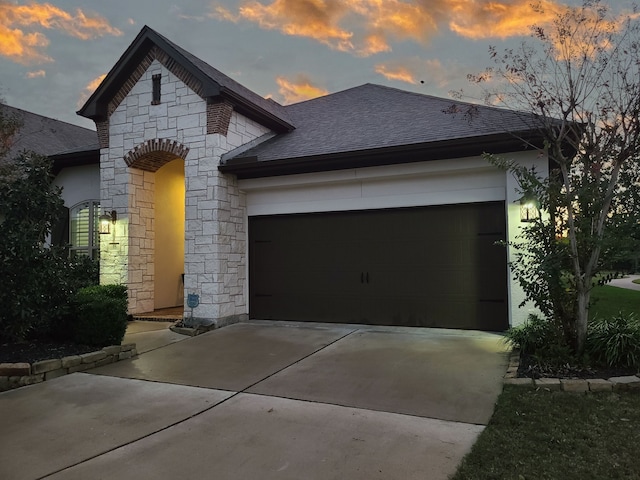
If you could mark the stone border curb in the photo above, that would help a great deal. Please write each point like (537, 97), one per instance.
(15, 375)
(613, 384)
(201, 326)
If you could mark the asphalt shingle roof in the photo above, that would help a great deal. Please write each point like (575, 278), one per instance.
(228, 83)
(48, 136)
(374, 116)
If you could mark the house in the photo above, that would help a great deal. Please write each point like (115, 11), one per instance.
(370, 205)
(76, 166)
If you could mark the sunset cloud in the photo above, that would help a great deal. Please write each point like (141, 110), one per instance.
(36, 74)
(21, 39)
(501, 19)
(299, 89)
(368, 27)
(416, 70)
(316, 19)
(89, 89)
(397, 72)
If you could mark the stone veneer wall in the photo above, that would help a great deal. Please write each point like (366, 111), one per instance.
(215, 230)
(141, 240)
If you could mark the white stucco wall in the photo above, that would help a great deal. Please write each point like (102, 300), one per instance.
(79, 184)
(514, 226)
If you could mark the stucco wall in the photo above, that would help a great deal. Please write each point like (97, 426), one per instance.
(79, 184)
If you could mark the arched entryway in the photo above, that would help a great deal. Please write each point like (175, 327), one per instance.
(156, 225)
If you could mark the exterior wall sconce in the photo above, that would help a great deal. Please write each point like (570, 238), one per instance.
(106, 221)
(529, 211)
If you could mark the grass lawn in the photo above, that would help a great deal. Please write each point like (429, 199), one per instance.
(608, 301)
(637, 280)
(557, 435)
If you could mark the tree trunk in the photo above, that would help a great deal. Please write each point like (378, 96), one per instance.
(582, 317)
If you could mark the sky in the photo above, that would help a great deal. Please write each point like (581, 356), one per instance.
(54, 54)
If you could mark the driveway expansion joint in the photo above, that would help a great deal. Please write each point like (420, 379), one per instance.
(298, 361)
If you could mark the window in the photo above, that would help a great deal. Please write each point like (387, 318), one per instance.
(155, 99)
(84, 238)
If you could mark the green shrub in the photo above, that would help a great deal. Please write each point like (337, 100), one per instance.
(31, 295)
(101, 315)
(615, 341)
(81, 272)
(532, 336)
(542, 340)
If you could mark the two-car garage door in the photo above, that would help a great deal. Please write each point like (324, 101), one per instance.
(432, 266)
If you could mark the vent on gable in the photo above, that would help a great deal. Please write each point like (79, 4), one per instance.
(155, 98)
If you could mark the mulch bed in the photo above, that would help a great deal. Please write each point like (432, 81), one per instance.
(530, 368)
(34, 351)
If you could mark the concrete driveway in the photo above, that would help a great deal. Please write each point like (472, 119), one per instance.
(263, 400)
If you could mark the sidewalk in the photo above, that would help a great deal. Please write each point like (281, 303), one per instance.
(626, 282)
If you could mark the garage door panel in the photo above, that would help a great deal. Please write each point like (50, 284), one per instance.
(432, 266)
(317, 307)
(413, 311)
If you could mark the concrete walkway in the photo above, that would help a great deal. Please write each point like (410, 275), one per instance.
(263, 400)
(151, 335)
(626, 282)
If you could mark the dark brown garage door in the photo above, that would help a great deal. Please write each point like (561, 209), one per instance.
(432, 267)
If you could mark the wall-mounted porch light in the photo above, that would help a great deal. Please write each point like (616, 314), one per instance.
(107, 220)
(529, 209)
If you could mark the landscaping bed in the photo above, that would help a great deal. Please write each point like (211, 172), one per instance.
(529, 367)
(33, 351)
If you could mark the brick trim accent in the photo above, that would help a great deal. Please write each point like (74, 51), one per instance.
(155, 53)
(153, 154)
(219, 117)
(218, 112)
(102, 127)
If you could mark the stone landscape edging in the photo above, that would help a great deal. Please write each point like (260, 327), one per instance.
(14, 375)
(581, 385)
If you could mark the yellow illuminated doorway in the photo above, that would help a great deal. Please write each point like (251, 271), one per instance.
(169, 235)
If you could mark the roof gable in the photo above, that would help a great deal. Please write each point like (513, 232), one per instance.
(206, 81)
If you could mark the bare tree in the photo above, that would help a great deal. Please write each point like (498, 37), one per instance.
(580, 76)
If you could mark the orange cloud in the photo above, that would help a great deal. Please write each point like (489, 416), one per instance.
(89, 89)
(36, 74)
(416, 70)
(371, 22)
(385, 19)
(26, 47)
(316, 19)
(508, 18)
(367, 27)
(22, 47)
(299, 89)
(396, 72)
